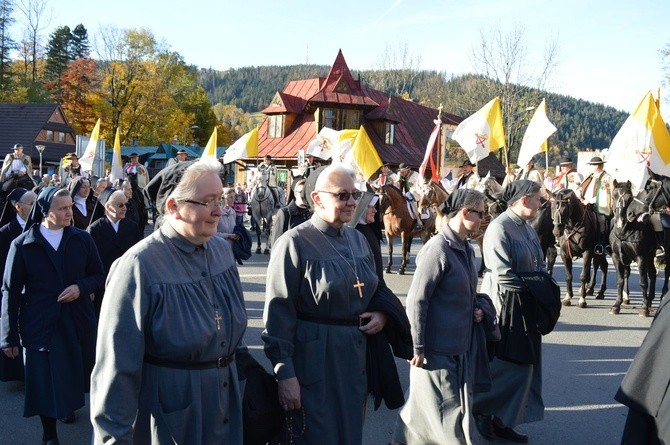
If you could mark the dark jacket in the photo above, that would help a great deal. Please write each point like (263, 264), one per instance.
(45, 273)
(111, 244)
(383, 381)
(287, 218)
(8, 233)
(93, 213)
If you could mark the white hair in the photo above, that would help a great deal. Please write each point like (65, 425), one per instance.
(192, 174)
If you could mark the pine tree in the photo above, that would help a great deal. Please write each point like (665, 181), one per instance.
(58, 58)
(79, 45)
(6, 43)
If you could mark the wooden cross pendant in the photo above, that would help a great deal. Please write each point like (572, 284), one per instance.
(218, 318)
(358, 286)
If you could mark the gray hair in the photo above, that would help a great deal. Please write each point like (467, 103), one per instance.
(192, 174)
(116, 194)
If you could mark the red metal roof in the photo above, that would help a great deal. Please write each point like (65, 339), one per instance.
(414, 121)
(285, 103)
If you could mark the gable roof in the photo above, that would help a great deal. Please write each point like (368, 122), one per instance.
(22, 123)
(340, 87)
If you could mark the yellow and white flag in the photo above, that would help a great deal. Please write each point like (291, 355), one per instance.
(535, 139)
(209, 153)
(116, 172)
(333, 144)
(86, 159)
(365, 154)
(481, 133)
(244, 148)
(643, 141)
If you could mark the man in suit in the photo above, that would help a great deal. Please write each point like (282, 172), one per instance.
(596, 193)
(16, 170)
(112, 234)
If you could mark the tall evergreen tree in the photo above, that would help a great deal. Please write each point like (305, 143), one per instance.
(80, 48)
(58, 58)
(6, 43)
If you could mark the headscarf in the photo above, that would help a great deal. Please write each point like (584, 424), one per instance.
(75, 185)
(310, 185)
(105, 195)
(161, 185)
(454, 202)
(366, 199)
(41, 207)
(297, 181)
(516, 189)
(8, 212)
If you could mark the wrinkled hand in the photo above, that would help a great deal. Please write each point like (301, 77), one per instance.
(289, 394)
(478, 315)
(11, 352)
(376, 323)
(418, 360)
(69, 294)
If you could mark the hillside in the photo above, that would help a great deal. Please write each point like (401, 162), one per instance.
(581, 124)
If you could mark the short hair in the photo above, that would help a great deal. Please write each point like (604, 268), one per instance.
(192, 174)
(330, 171)
(62, 192)
(115, 194)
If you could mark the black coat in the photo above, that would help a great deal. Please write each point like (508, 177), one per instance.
(111, 245)
(644, 389)
(10, 369)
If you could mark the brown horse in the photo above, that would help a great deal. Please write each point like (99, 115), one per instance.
(434, 195)
(398, 221)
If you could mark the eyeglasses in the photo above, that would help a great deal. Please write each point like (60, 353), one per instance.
(480, 213)
(343, 196)
(120, 205)
(215, 204)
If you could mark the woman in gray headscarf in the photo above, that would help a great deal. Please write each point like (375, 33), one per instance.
(442, 311)
(511, 247)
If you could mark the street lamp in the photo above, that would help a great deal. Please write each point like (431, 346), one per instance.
(192, 127)
(40, 148)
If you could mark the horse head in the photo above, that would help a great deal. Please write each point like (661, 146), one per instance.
(655, 195)
(622, 196)
(433, 195)
(494, 204)
(565, 207)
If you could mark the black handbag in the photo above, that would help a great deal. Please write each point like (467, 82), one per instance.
(519, 339)
(547, 299)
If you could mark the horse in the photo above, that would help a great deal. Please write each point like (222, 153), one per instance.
(262, 205)
(490, 188)
(575, 228)
(398, 221)
(433, 197)
(655, 198)
(631, 240)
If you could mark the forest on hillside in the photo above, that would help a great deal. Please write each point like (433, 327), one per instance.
(582, 125)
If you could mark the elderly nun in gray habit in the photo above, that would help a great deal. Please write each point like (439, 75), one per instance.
(441, 306)
(511, 246)
(172, 319)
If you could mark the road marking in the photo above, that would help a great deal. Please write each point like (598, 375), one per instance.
(253, 275)
(584, 407)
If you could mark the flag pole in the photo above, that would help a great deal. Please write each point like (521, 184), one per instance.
(439, 153)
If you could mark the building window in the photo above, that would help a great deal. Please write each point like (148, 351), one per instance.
(389, 133)
(50, 135)
(341, 119)
(61, 137)
(276, 126)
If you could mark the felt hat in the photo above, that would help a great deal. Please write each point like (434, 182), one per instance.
(566, 161)
(403, 166)
(596, 160)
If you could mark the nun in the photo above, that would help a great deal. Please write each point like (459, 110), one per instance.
(13, 220)
(51, 272)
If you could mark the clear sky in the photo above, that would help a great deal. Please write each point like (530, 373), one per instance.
(608, 49)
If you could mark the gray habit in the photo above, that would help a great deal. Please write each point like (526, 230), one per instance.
(307, 275)
(511, 246)
(173, 300)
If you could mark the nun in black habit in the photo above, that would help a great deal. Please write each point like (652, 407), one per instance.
(52, 270)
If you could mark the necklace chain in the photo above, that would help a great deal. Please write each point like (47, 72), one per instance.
(351, 265)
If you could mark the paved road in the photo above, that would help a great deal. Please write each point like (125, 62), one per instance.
(585, 359)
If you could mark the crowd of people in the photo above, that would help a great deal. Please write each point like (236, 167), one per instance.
(153, 326)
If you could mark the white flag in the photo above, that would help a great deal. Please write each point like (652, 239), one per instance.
(538, 131)
(244, 148)
(86, 160)
(481, 133)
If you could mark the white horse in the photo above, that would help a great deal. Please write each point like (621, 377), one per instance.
(262, 204)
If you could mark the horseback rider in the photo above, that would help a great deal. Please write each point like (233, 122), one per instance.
(468, 178)
(532, 173)
(16, 170)
(596, 193)
(182, 155)
(409, 182)
(310, 165)
(269, 173)
(569, 178)
(386, 176)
